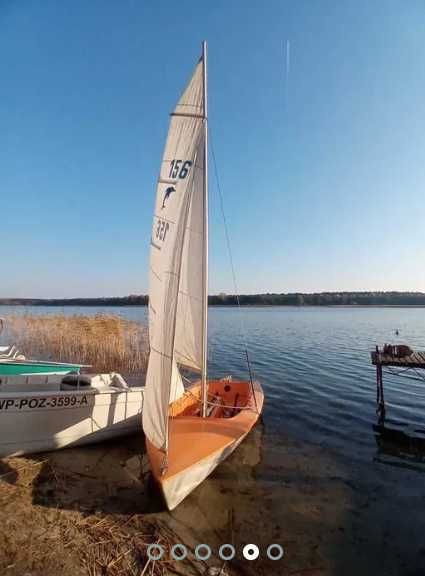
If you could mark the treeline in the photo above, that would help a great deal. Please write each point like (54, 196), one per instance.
(325, 299)
(133, 300)
(269, 299)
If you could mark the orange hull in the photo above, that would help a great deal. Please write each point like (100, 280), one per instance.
(197, 445)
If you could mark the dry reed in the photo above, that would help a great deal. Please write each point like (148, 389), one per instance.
(118, 547)
(105, 342)
(53, 538)
(67, 541)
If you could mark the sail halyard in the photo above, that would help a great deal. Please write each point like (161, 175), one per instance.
(204, 377)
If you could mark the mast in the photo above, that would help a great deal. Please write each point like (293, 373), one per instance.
(204, 381)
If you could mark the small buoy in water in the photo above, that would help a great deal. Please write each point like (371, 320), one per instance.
(397, 332)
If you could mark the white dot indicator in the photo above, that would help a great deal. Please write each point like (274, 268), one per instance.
(250, 552)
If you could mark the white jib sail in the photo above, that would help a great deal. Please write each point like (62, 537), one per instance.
(175, 283)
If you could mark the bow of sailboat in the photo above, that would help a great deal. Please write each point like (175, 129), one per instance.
(198, 445)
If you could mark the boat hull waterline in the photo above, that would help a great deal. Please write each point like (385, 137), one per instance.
(198, 445)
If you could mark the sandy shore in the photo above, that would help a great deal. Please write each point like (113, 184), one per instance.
(92, 511)
(87, 511)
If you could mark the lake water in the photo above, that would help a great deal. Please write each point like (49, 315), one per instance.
(314, 476)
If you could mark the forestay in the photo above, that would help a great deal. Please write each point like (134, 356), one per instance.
(176, 259)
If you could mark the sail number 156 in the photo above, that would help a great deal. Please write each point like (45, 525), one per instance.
(180, 168)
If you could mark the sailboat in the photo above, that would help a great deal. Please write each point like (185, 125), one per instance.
(188, 431)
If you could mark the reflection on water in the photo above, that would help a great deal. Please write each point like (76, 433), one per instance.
(341, 496)
(400, 444)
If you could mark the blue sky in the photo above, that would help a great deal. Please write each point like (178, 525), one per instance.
(322, 166)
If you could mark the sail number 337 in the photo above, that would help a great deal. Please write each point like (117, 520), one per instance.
(161, 230)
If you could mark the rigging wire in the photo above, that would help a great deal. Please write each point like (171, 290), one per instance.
(235, 285)
(418, 378)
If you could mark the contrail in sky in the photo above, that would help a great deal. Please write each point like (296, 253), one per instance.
(287, 70)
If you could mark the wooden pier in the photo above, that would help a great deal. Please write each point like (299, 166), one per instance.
(397, 357)
(415, 360)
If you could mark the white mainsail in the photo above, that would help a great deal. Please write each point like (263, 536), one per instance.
(188, 337)
(176, 294)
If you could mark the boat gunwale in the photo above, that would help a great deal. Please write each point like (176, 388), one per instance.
(49, 393)
(27, 361)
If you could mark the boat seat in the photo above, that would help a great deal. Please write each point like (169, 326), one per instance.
(72, 381)
(98, 381)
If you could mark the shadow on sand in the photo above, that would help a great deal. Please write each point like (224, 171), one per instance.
(108, 478)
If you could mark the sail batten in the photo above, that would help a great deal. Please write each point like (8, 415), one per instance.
(175, 283)
(187, 115)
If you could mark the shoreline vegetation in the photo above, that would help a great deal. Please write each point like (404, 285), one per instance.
(268, 299)
(104, 342)
(94, 502)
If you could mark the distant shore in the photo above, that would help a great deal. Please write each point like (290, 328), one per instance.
(347, 299)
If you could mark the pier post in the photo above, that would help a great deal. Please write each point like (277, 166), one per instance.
(378, 392)
(381, 406)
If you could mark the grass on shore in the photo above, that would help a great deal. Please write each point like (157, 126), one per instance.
(106, 342)
(49, 540)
